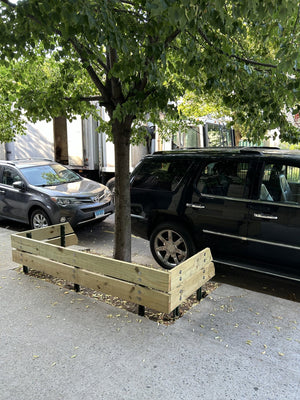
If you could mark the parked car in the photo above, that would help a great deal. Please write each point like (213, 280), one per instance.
(243, 203)
(43, 192)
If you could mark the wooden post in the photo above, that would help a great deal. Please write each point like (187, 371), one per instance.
(25, 269)
(63, 244)
(141, 311)
(62, 236)
(176, 312)
(76, 287)
(199, 294)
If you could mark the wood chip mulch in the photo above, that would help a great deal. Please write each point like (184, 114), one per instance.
(161, 318)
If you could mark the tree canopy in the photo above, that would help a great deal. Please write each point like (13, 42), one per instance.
(246, 55)
(140, 57)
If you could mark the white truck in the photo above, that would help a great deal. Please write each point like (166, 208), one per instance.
(79, 145)
(76, 144)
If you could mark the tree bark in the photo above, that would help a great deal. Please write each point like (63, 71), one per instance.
(122, 243)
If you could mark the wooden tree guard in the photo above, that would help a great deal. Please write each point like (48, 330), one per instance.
(46, 250)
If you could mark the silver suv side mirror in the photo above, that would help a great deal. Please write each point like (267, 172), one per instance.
(20, 185)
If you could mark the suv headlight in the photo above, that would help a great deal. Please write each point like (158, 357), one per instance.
(65, 201)
(107, 192)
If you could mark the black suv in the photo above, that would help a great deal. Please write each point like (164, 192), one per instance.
(43, 192)
(243, 203)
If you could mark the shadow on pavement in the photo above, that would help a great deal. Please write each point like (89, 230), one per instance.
(258, 282)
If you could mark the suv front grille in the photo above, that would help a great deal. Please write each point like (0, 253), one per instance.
(91, 209)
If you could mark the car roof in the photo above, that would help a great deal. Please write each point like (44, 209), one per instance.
(233, 151)
(28, 162)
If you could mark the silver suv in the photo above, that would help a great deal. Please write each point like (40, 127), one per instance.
(43, 192)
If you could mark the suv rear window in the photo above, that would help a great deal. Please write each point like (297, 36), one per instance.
(281, 183)
(224, 178)
(160, 175)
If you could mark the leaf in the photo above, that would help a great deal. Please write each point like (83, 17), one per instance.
(278, 328)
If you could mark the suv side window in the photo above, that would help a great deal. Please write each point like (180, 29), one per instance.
(160, 175)
(9, 176)
(224, 178)
(280, 183)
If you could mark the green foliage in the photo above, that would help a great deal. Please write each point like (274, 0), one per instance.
(239, 58)
(288, 146)
(192, 107)
(11, 122)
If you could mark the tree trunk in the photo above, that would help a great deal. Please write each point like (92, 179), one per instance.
(122, 244)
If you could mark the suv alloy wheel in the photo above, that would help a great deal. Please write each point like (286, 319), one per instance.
(39, 219)
(171, 244)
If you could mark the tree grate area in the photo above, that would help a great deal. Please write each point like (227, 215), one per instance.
(158, 317)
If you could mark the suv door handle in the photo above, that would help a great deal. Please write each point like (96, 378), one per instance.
(2, 191)
(191, 205)
(265, 216)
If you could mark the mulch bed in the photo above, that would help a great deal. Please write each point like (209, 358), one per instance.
(161, 318)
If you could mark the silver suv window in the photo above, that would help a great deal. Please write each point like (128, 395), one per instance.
(9, 176)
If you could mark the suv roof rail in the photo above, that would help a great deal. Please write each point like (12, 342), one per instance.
(32, 159)
(257, 149)
(241, 149)
(261, 147)
(15, 160)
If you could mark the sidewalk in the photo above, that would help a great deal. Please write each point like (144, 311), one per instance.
(58, 344)
(5, 250)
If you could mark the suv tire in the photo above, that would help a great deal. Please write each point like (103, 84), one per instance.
(171, 244)
(39, 219)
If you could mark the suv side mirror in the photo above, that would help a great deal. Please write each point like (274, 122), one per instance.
(19, 185)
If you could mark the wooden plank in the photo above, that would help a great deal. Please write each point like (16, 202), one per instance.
(137, 294)
(125, 290)
(189, 268)
(160, 290)
(191, 284)
(44, 265)
(48, 232)
(135, 273)
(69, 240)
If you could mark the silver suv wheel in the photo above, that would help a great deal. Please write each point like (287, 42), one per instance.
(39, 219)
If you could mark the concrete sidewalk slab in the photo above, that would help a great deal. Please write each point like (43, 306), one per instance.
(58, 344)
(5, 250)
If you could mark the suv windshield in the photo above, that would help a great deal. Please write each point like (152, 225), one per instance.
(49, 175)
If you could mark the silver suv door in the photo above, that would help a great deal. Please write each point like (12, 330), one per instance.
(13, 201)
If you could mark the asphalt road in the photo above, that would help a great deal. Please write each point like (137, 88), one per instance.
(99, 237)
